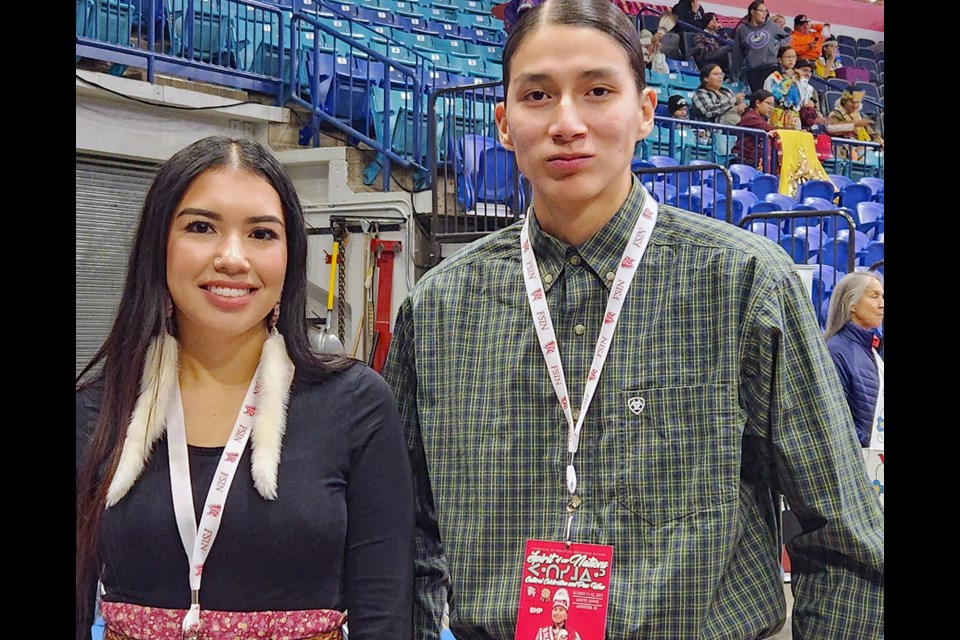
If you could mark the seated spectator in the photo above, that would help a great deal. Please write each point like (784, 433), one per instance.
(760, 106)
(709, 47)
(786, 92)
(690, 12)
(677, 107)
(781, 22)
(846, 121)
(829, 60)
(805, 39)
(715, 103)
(810, 117)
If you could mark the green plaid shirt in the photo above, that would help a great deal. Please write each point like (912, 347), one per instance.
(742, 403)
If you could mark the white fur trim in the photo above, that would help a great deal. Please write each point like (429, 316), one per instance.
(276, 375)
(149, 417)
(149, 421)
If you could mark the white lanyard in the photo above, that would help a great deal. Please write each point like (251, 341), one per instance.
(198, 547)
(876, 433)
(632, 254)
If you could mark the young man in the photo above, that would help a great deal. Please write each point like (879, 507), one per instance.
(610, 372)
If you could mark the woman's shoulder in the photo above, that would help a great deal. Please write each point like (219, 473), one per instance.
(356, 380)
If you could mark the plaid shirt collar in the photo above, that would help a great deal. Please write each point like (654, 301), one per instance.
(602, 252)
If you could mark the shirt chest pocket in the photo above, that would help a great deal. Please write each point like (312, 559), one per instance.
(678, 449)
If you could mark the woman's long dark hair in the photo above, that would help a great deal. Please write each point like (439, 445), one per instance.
(142, 316)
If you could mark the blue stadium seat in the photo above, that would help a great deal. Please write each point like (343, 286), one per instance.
(786, 202)
(848, 41)
(847, 50)
(875, 184)
(764, 183)
(839, 181)
(860, 239)
(763, 206)
(835, 253)
(872, 254)
(870, 90)
(746, 197)
(745, 174)
(870, 215)
(683, 66)
(723, 148)
(796, 247)
(661, 190)
(817, 188)
(769, 230)
(853, 194)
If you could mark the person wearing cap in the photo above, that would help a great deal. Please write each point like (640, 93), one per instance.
(806, 38)
(677, 107)
(811, 119)
(559, 613)
(829, 60)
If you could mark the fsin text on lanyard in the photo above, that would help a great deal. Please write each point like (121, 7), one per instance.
(197, 546)
(543, 324)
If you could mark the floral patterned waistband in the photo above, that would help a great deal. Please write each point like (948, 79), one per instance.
(135, 622)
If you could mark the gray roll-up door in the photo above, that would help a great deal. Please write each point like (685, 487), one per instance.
(110, 195)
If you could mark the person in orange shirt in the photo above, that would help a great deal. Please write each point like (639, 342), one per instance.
(807, 40)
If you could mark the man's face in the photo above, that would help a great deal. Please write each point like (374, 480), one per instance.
(573, 115)
(805, 72)
(803, 27)
(713, 25)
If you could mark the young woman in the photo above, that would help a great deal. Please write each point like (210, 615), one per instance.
(785, 86)
(561, 425)
(206, 404)
(854, 315)
(755, 117)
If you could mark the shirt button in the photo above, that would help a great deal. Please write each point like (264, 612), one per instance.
(548, 278)
(574, 260)
(610, 275)
(579, 329)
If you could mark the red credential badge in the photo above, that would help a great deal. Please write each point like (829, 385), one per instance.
(564, 592)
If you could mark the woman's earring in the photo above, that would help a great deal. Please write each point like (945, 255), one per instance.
(275, 316)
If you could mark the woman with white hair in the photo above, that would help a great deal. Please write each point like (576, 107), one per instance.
(856, 310)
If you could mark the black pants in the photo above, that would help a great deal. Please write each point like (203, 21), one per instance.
(756, 77)
(720, 56)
